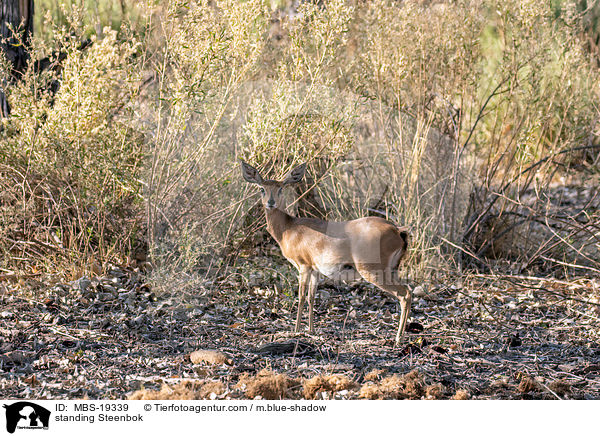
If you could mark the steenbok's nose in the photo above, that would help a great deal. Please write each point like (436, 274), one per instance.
(271, 203)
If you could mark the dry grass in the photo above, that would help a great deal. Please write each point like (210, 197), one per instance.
(408, 386)
(375, 375)
(195, 390)
(560, 387)
(528, 384)
(268, 385)
(273, 386)
(326, 383)
(434, 392)
(461, 394)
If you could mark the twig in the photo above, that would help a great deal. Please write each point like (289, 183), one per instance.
(464, 250)
(549, 390)
(63, 333)
(17, 277)
(499, 194)
(530, 278)
(572, 265)
(558, 294)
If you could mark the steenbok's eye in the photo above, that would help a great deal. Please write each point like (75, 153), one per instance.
(280, 189)
(262, 190)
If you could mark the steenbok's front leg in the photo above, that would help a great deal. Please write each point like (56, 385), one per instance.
(312, 290)
(302, 285)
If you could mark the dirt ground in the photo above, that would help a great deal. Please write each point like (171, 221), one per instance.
(488, 337)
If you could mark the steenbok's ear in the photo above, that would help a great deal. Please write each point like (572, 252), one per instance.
(251, 174)
(295, 175)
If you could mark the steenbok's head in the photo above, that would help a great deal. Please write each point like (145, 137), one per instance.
(271, 189)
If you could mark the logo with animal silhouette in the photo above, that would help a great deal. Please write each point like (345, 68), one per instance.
(26, 415)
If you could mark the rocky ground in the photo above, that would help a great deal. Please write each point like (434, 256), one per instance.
(116, 337)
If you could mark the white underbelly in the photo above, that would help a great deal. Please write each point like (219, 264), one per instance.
(343, 272)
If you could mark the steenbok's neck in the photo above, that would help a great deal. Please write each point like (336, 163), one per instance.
(277, 222)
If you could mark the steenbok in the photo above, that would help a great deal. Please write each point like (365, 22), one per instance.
(370, 246)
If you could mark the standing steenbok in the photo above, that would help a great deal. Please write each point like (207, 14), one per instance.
(371, 246)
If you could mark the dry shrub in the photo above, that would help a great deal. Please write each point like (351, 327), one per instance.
(434, 392)
(461, 394)
(326, 383)
(267, 385)
(69, 161)
(188, 390)
(432, 132)
(499, 384)
(209, 388)
(212, 52)
(560, 387)
(528, 384)
(412, 61)
(408, 386)
(414, 141)
(375, 374)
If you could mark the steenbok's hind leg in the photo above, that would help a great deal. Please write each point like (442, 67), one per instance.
(405, 302)
(387, 281)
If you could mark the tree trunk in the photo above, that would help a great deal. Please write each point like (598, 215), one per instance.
(16, 28)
